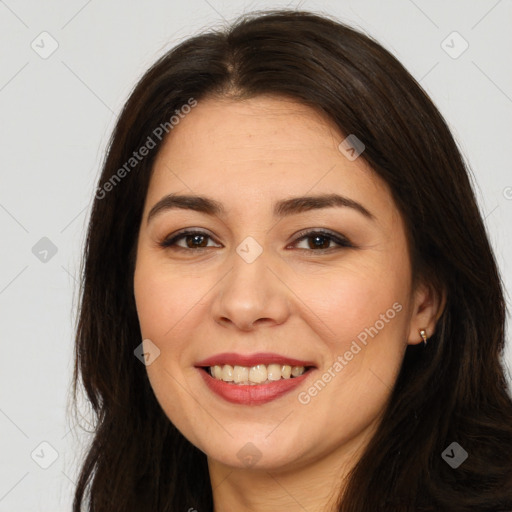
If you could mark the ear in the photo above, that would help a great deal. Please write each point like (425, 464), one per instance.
(428, 305)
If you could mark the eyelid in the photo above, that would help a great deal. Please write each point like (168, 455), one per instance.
(170, 240)
(340, 240)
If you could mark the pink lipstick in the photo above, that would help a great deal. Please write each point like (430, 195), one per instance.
(284, 375)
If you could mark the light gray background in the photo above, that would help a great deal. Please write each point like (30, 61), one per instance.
(56, 116)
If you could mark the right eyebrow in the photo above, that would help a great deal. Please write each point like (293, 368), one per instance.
(187, 202)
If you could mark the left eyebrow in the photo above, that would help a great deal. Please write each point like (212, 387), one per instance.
(306, 203)
(282, 208)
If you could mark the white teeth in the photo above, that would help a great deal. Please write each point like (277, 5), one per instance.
(227, 373)
(258, 374)
(297, 370)
(286, 371)
(274, 372)
(240, 374)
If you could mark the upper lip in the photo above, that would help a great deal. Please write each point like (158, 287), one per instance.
(266, 358)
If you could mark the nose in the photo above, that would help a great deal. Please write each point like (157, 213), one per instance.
(252, 294)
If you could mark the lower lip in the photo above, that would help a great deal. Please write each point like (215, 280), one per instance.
(252, 394)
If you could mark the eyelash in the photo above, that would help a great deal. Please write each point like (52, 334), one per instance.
(338, 239)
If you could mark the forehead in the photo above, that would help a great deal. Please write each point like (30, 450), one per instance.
(248, 152)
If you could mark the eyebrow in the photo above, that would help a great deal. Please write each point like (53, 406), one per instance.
(282, 208)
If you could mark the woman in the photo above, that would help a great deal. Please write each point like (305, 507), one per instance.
(289, 299)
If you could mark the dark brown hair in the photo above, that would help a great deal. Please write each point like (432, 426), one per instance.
(452, 390)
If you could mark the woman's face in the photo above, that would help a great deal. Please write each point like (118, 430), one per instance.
(251, 293)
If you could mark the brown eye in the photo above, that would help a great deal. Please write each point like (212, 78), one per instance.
(321, 241)
(192, 240)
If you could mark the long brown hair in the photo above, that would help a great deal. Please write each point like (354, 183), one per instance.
(451, 390)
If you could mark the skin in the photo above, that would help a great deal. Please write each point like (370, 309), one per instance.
(294, 299)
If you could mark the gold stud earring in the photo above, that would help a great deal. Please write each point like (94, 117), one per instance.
(423, 334)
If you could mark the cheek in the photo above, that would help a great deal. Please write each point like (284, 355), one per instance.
(351, 300)
(365, 312)
(163, 297)
(165, 307)
(360, 313)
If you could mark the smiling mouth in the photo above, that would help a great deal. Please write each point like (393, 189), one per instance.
(259, 374)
